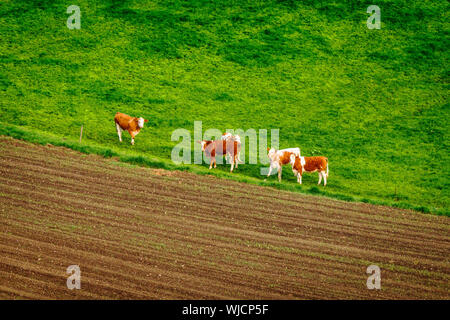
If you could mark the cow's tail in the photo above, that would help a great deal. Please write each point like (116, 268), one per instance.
(327, 166)
(239, 157)
(238, 145)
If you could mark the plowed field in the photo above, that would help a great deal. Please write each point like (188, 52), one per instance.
(140, 233)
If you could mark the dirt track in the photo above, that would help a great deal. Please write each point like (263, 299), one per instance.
(140, 233)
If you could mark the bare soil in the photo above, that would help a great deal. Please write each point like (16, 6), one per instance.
(140, 233)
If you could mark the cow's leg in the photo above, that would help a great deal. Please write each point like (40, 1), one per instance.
(279, 173)
(211, 163)
(232, 163)
(300, 178)
(119, 131)
(270, 170)
(324, 178)
(132, 137)
(236, 160)
(320, 177)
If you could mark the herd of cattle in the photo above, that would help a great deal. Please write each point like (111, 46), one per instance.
(230, 146)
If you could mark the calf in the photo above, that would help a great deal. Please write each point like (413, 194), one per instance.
(231, 148)
(278, 158)
(309, 164)
(132, 124)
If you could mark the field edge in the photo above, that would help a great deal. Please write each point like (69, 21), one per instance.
(43, 138)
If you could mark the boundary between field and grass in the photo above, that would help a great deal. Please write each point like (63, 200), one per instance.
(132, 157)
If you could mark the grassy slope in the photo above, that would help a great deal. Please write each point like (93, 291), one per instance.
(373, 101)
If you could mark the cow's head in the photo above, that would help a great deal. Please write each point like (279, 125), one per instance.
(141, 122)
(271, 154)
(292, 158)
(203, 143)
(271, 151)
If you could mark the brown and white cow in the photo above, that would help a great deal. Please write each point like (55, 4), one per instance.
(229, 147)
(310, 164)
(278, 158)
(132, 124)
(229, 136)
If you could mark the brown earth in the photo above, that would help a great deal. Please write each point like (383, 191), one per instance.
(140, 233)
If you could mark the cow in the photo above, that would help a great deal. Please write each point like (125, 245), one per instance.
(229, 136)
(309, 164)
(132, 124)
(229, 147)
(278, 158)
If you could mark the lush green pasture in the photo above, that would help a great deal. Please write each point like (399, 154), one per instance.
(375, 102)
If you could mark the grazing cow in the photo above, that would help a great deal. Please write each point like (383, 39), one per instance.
(309, 164)
(132, 124)
(230, 147)
(278, 158)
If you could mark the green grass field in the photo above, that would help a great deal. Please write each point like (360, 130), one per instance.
(375, 102)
